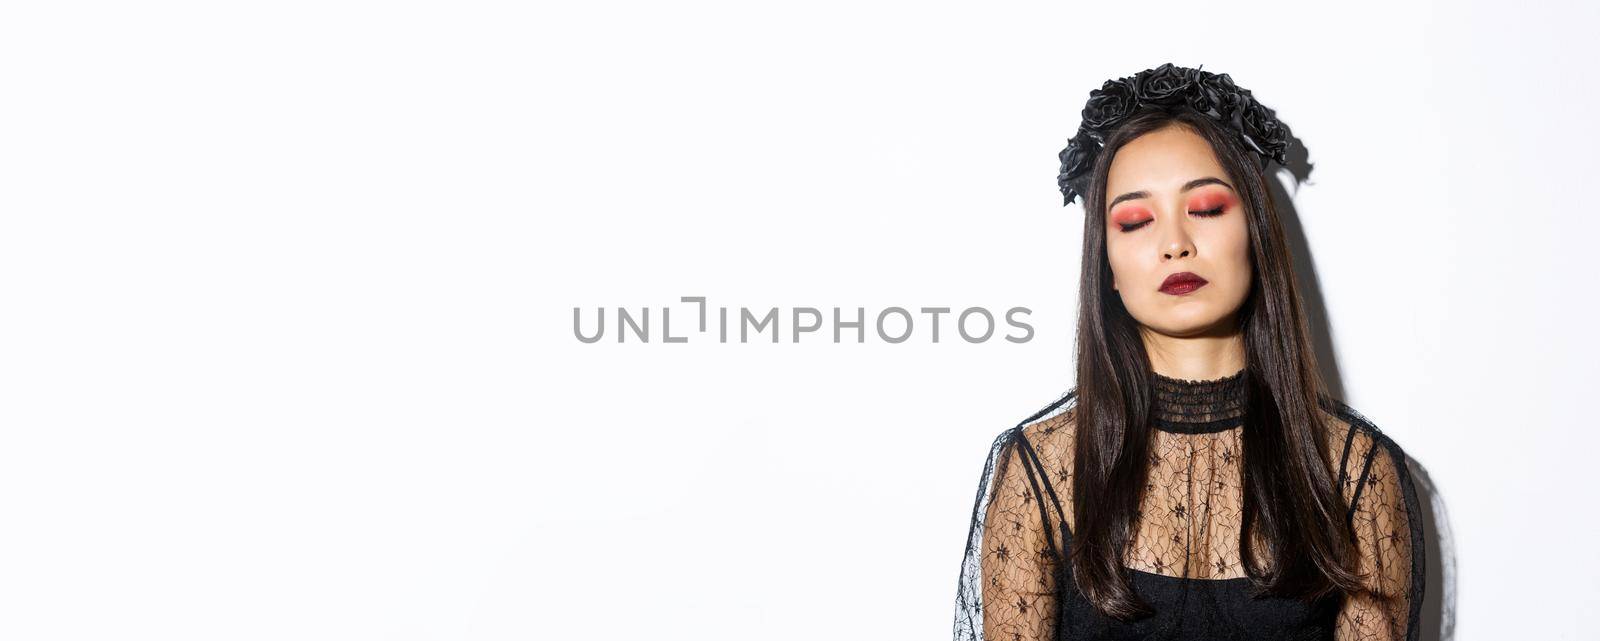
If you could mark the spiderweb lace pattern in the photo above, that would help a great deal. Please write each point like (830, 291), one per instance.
(1010, 585)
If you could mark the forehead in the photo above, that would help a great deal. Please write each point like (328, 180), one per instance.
(1161, 160)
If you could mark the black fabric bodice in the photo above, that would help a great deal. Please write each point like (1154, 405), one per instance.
(1199, 609)
(1184, 561)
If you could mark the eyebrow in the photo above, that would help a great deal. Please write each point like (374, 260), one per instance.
(1208, 180)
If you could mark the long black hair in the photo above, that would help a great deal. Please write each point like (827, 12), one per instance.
(1291, 505)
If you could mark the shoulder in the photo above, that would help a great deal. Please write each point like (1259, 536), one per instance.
(1359, 452)
(1051, 420)
(1048, 432)
(1045, 434)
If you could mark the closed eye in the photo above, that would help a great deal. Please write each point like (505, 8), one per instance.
(1214, 211)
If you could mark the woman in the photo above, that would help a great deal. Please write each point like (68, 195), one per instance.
(1198, 482)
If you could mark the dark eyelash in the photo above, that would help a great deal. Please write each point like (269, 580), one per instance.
(1215, 211)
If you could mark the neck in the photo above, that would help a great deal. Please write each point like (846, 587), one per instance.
(1214, 352)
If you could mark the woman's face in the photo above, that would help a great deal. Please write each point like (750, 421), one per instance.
(1172, 209)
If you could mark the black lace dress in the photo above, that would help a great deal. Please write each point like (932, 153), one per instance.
(1184, 560)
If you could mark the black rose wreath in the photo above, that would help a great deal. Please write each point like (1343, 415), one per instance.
(1168, 87)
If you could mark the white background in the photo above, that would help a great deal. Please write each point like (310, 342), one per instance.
(288, 289)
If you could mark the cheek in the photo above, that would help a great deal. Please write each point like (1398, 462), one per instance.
(1129, 275)
(1234, 243)
(1119, 256)
(1238, 238)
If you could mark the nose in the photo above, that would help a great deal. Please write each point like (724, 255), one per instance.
(1176, 242)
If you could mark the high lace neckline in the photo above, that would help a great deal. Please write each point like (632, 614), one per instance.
(1189, 406)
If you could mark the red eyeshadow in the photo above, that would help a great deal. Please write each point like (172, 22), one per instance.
(1210, 200)
(1129, 215)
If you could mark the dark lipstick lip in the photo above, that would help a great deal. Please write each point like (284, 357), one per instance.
(1182, 283)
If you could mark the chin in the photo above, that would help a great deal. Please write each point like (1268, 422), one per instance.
(1186, 324)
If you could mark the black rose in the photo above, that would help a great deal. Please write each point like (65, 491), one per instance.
(1165, 85)
(1264, 132)
(1077, 159)
(1216, 95)
(1108, 105)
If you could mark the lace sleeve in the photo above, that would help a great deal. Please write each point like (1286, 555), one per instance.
(1388, 530)
(1007, 586)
